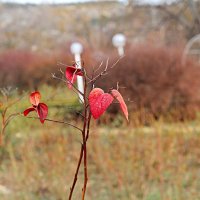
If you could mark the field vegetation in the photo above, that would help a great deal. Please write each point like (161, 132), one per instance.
(126, 161)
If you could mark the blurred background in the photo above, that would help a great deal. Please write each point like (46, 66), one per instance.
(154, 157)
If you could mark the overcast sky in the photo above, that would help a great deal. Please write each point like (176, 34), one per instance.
(76, 1)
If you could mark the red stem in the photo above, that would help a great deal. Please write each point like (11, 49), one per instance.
(76, 174)
(57, 121)
(83, 149)
(84, 140)
(88, 126)
(80, 160)
(85, 171)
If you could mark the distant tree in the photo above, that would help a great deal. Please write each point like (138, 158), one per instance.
(184, 12)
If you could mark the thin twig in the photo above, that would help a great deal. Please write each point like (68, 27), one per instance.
(61, 71)
(88, 126)
(94, 71)
(56, 121)
(10, 117)
(101, 64)
(58, 78)
(60, 63)
(105, 71)
(101, 74)
(61, 79)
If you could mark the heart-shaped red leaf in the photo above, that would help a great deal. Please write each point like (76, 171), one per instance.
(120, 99)
(42, 111)
(99, 102)
(71, 74)
(35, 98)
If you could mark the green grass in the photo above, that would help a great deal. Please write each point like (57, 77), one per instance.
(38, 162)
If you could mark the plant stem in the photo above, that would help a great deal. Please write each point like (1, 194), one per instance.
(84, 140)
(80, 160)
(85, 169)
(83, 148)
(85, 156)
(88, 126)
(56, 121)
(3, 125)
(76, 174)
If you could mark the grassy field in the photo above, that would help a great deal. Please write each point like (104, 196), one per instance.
(126, 162)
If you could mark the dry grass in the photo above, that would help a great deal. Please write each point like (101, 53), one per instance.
(161, 162)
(132, 162)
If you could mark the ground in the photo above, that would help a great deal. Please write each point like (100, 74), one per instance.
(38, 162)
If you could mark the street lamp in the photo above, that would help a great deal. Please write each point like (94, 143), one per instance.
(76, 48)
(119, 41)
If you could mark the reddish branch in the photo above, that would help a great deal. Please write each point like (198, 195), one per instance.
(80, 160)
(57, 121)
(85, 136)
(76, 174)
(5, 122)
(104, 72)
(84, 140)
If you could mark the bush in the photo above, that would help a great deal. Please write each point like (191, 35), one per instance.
(23, 69)
(155, 79)
(152, 78)
(29, 70)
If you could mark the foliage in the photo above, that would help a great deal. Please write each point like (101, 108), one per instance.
(40, 108)
(26, 70)
(154, 78)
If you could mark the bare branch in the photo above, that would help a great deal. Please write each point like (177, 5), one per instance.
(56, 121)
(76, 173)
(63, 80)
(99, 67)
(105, 71)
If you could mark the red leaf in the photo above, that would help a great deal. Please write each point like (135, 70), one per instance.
(120, 99)
(99, 102)
(35, 98)
(42, 111)
(71, 74)
(28, 110)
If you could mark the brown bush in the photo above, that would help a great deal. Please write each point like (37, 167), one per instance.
(23, 69)
(155, 79)
(29, 70)
(152, 78)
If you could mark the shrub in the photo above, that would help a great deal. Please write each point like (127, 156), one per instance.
(29, 70)
(23, 69)
(155, 79)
